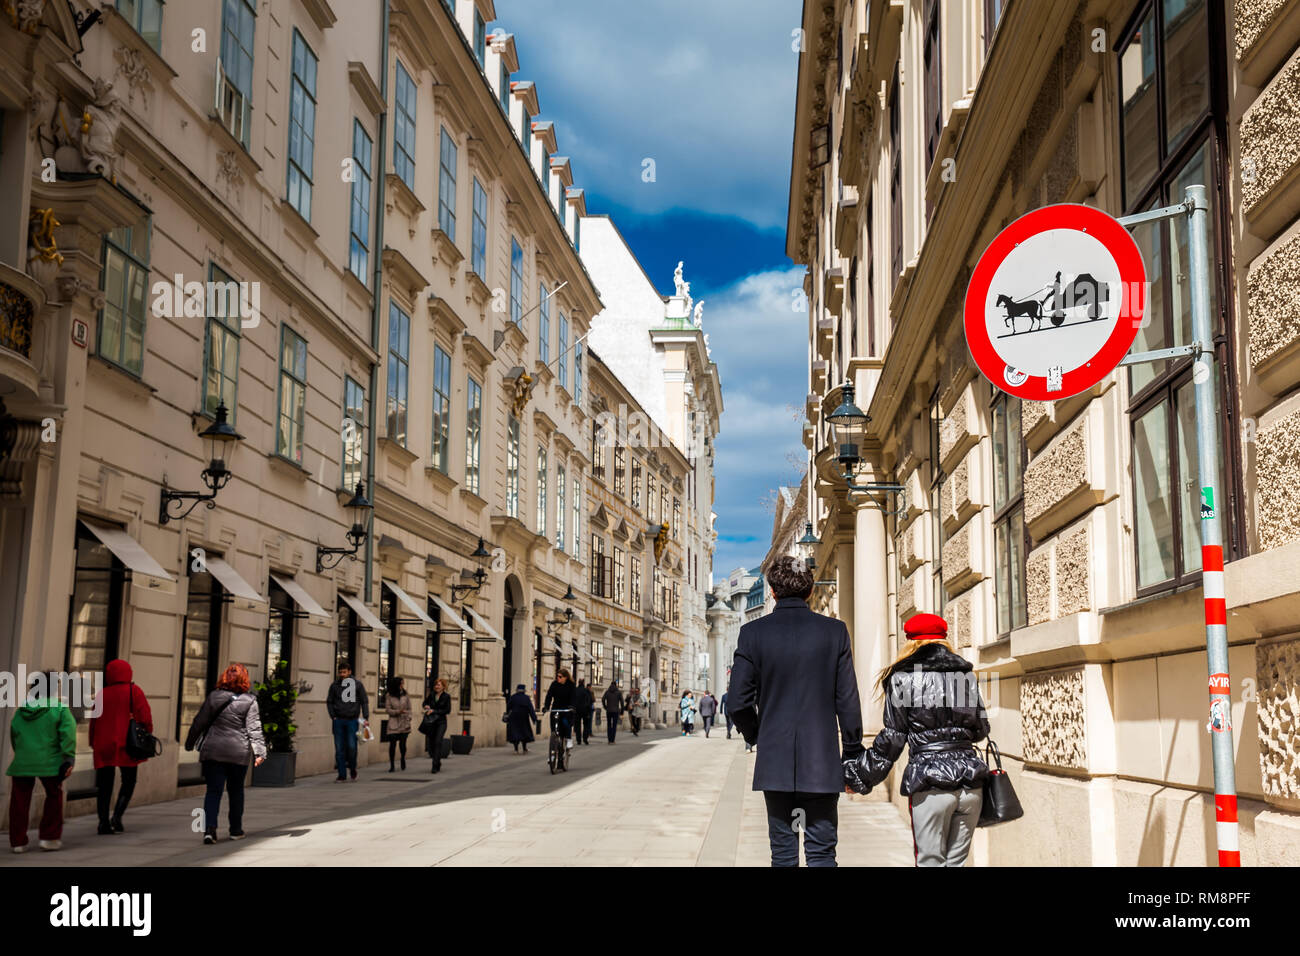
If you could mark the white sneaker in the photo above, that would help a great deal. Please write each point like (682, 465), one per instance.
(568, 745)
(51, 844)
(19, 849)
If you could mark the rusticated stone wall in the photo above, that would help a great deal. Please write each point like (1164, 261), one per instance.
(1053, 719)
(1073, 578)
(1251, 18)
(1270, 136)
(1057, 473)
(1273, 288)
(907, 593)
(961, 567)
(911, 547)
(1277, 668)
(958, 616)
(1038, 586)
(1277, 469)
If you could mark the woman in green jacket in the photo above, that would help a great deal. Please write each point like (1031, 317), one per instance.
(44, 738)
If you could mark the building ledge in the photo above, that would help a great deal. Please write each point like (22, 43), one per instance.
(1263, 592)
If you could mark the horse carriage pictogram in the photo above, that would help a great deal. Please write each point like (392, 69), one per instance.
(1083, 291)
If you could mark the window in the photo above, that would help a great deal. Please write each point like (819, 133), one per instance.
(404, 127)
(473, 431)
(561, 516)
(466, 671)
(652, 497)
(597, 566)
(95, 621)
(598, 445)
(503, 89)
(635, 583)
(577, 369)
(359, 227)
(354, 432)
(432, 649)
(895, 184)
(677, 667)
(620, 576)
(125, 281)
(871, 278)
(933, 59)
(543, 325)
(663, 501)
(620, 483)
(516, 281)
(441, 408)
(347, 638)
(302, 126)
(636, 482)
(527, 138)
(576, 535)
(1171, 137)
(146, 17)
(1010, 543)
(677, 519)
(480, 38)
(663, 673)
(563, 357)
(618, 664)
(235, 70)
(279, 629)
(657, 594)
(577, 225)
(676, 605)
(447, 185)
(939, 596)
(635, 667)
(387, 645)
(541, 489)
(598, 663)
(512, 467)
(200, 644)
(992, 14)
(221, 348)
(479, 239)
(399, 355)
(293, 394)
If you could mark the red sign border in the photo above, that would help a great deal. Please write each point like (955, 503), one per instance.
(1122, 247)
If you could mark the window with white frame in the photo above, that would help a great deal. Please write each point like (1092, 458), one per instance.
(541, 489)
(561, 515)
(512, 467)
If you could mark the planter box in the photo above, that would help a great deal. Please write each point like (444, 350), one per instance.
(462, 743)
(276, 771)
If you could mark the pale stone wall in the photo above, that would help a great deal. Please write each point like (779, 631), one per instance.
(1278, 671)
(1054, 719)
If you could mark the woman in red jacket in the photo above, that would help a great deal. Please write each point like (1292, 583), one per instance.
(122, 700)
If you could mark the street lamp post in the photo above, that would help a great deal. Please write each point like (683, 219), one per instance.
(360, 507)
(221, 439)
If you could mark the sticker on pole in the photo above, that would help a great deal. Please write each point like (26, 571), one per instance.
(1055, 302)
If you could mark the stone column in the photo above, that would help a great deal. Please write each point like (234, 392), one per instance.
(870, 624)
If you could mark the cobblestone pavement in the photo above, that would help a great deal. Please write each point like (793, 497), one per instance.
(654, 800)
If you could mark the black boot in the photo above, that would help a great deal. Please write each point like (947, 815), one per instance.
(106, 827)
(119, 810)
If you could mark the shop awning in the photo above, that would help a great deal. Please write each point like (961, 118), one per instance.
(243, 595)
(300, 597)
(485, 626)
(420, 614)
(145, 571)
(556, 645)
(452, 619)
(367, 616)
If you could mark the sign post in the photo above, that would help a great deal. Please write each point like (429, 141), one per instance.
(1096, 312)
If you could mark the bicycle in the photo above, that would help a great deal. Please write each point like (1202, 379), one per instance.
(557, 753)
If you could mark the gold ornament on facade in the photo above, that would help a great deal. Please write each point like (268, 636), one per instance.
(16, 311)
(24, 15)
(661, 539)
(40, 235)
(523, 387)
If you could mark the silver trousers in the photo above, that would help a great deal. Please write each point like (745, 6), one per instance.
(943, 823)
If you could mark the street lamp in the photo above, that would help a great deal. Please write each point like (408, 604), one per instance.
(807, 546)
(359, 507)
(220, 438)
(848, 420)
(479, 554)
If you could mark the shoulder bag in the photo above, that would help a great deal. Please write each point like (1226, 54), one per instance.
(140, 744)
(1001, 805)
(202, 735)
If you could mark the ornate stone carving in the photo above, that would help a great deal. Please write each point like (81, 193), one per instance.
(1053, 720)
(1277, 468)
(1277, 668)
(99, 122)
(43, 256)
(523, 390)
(131, 64)
(25, 15)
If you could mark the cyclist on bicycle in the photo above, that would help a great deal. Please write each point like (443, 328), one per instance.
(559, 696)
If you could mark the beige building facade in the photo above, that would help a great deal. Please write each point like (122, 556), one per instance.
(1060, 540)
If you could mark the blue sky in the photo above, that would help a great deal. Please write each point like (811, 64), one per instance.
(706, 91)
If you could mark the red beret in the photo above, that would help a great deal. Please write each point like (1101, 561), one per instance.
(925, 627)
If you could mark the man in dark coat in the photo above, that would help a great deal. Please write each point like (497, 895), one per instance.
(583, 705)
(613, 704)
(520, 717)
(794, 693)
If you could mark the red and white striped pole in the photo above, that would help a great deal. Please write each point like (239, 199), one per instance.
(1216, 620)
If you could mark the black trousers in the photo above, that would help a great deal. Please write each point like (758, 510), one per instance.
(635, 723)
(395, 741)
(104, 790)
(433, 743)
(586, 727)
(816, 815)
(228, 777)
(611, 723)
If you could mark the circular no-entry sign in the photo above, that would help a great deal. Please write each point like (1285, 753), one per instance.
(1055, 302)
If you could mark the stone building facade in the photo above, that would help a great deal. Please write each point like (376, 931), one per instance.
(1060, 540)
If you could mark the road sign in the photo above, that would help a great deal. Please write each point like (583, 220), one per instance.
(1055, 302)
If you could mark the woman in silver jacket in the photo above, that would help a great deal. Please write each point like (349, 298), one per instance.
(225, 729)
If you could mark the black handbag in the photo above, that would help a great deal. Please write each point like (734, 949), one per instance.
(427, 724)
(1001, 805)
(140, 744)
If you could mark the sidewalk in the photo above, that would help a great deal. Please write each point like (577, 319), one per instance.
(654, 800)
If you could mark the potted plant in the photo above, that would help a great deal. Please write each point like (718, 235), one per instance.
(275, 702)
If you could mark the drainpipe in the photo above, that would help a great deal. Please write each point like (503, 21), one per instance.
(378, 282)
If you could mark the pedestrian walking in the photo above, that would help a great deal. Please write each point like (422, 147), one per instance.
(613, 704)
(708, 711)
(434, 726)
(933, 706)
(726, 714)
(686, 711)
(348, 707)
(122, 702)
(225, 730)
(793, 691)
(399, 720)
(43, 737)
(520, 717)
(636, 710)
(584, 704)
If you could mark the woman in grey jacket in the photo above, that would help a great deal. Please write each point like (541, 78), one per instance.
(225, 729)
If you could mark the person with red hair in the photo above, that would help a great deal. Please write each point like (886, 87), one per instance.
(225, 729)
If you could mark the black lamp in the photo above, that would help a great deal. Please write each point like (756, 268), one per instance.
(848, 420)
(220, 438)
(481, 555)
(807, 546)
(359, 507)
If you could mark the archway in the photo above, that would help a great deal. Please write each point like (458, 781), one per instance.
(511, 666)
